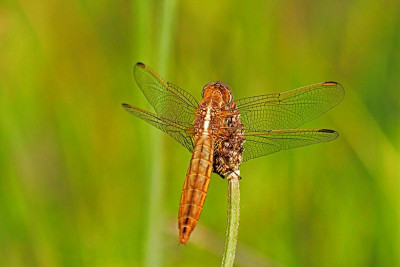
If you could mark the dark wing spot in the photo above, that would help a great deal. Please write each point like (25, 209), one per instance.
(330, 83)
(140, 64)
(326, 131)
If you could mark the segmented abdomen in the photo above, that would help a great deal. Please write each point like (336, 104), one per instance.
(196, 185)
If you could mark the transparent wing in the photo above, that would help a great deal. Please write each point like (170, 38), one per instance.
(181, 132)
(262, 143)
(289, 109)
(168, 100)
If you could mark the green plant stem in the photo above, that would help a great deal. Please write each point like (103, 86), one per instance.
(232, 225)
(155, 252)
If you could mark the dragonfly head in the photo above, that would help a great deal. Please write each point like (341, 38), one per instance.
(218, 90)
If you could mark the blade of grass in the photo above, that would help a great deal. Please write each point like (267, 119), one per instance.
(232, 225)
(154, 248)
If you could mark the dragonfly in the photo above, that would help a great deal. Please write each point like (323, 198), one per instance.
(221, 132)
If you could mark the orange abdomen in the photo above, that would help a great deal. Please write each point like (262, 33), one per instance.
(196, 185)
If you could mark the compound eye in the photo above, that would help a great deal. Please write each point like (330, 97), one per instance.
(230, 96)
(205, 88)
(202, 92)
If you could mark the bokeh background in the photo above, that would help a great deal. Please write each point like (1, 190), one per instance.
(83, 183)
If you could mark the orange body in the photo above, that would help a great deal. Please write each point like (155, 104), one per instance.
(195, 186)
(208, 121)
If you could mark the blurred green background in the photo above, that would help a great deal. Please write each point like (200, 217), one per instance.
(81, 184)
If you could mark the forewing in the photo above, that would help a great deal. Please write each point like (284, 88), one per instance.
(289, 109)
(262, 143)
(168, 100)
(181, 132)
